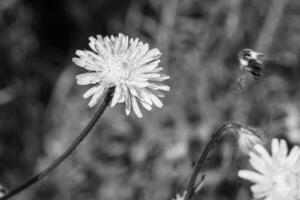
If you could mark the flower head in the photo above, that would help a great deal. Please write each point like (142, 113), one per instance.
(248, 138)
(126, 64)
(278, 175)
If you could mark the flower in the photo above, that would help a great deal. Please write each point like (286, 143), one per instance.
(126, 64)
(278, 175)
(248, 137)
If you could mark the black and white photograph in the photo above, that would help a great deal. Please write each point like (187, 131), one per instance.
(150, 99)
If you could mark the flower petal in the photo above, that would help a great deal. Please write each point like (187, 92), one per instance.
(136, 108)
(87, 78)
(117, 95)
(251, 176)
(96, 96)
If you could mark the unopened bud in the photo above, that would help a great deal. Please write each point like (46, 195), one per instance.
(248, 138)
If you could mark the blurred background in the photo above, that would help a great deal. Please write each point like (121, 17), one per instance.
(126, 158)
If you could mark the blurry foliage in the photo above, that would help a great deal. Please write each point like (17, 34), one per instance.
(41, 109)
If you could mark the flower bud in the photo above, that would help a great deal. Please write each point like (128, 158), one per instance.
(248, 138)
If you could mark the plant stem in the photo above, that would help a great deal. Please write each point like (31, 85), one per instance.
(67, 152)
(203, 157)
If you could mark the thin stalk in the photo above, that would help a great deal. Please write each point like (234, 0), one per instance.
(37, 177)
(204, 155)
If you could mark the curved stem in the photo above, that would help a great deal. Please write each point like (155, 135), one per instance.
(68, 151)
(204, 155)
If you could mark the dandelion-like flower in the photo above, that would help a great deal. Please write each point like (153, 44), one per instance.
(278, 175)
(248, 138)
(126, 64)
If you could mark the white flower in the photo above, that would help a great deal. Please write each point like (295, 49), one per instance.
(248, 138)
(278, 175)
(126, 64)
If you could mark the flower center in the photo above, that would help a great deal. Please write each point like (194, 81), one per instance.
(119, 71)
(284, 184)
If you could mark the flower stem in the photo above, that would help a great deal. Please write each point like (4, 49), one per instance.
(204, 155)
(67, 152)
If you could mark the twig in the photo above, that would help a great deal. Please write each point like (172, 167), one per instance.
(203, 157)
(68, 151)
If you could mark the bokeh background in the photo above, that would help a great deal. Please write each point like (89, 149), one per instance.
(126, 158)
